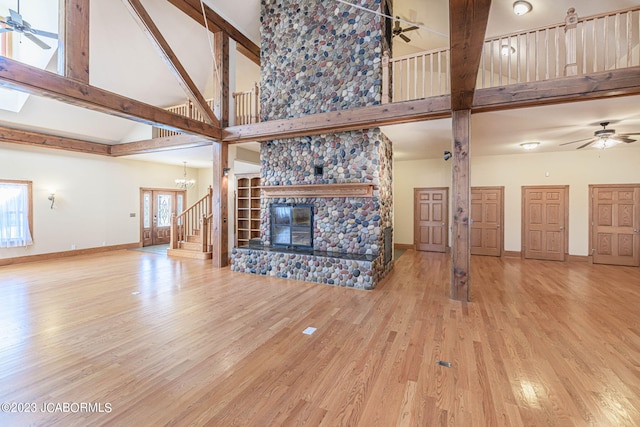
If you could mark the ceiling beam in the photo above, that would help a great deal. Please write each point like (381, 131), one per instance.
(159, 144)
(217, 23)
(23, 137)
(17, 76)
(467, 28)
(73, 40)
(606, 84)
(169, 57)
(340, 121)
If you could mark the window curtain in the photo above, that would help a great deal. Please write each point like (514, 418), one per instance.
(14, 215)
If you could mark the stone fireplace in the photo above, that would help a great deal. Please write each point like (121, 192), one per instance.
(317, 59)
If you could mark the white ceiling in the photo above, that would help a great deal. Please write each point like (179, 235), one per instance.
(123, 61)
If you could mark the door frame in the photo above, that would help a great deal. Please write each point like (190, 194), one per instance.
(500, 189)
(447, 248)
(566, 215)
(591, 218)
(141, 212)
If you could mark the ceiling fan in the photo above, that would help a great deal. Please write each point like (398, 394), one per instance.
(605, 138)
(399, 31)
(14, 22)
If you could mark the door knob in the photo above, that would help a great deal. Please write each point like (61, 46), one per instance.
(561, 228)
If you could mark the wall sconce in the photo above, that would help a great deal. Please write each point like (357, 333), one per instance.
(507, 50)
(52, 197)
(225, 171)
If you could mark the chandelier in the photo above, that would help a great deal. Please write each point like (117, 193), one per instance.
(183, 182)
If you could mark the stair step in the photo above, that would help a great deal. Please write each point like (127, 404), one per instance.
(185, 253)
(192, 246)
(194, 239)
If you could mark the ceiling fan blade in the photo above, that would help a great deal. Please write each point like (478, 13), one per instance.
(15, 17)
(4, 30)
(37, 41)
(624, 139)
(44, 33)
(405, 38)
(573, 142)
(412, 28)
(587, 144)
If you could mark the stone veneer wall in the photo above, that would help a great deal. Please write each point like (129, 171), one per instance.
(316, 60)
(343, 225)
(319, 56)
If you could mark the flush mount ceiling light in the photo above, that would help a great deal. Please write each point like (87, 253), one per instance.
(522, 7)
(507, 50)
(529, 145)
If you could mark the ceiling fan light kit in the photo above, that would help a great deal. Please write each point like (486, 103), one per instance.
(522, 7)
(605, 138)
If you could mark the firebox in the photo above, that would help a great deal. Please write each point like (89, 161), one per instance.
(292, 226)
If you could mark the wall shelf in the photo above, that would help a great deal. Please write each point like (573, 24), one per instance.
(352, 189)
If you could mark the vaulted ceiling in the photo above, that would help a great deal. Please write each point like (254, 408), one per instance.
(123, 61)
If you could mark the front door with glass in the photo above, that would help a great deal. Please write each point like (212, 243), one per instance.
(157, 208)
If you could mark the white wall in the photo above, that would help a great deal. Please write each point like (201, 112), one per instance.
(577, 169)
(95, 196)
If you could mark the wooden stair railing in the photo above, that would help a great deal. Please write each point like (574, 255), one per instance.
(193, 224)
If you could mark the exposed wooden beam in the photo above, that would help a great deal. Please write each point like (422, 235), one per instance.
(159, 144)
(23, 137)
(219, 208)
(217, 23)
(467, 28)
(73, 40)
(605, 84)
(169, 57)
(17, 76)
(461, 193)
(344, 120)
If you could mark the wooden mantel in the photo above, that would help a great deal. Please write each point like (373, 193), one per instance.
(352, 189)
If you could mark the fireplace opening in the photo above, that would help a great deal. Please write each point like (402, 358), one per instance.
(292, 226)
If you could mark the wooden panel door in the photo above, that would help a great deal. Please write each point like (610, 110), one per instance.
(157, 208)
(615, 224)
(431, 219)
(545, 217)
(487, 221)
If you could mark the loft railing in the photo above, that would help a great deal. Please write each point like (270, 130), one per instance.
(194, 221)
(578, 46)
(247, 104)
(188, 110)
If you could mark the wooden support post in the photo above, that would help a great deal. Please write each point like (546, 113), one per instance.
(570, 29)
(73, 40)
(460, 244)
(219, 208)
(221, 95)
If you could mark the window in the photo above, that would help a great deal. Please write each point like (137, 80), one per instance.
(16, 219)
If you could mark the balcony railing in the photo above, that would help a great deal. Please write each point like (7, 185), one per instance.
(604, 42)
(577, 46)
(188, 110)
(247, 106)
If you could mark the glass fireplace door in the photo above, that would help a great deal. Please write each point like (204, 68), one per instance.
(292, 226)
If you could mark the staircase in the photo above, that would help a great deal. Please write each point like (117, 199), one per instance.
(191, 230)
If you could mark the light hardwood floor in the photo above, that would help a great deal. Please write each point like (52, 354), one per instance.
(542, 344)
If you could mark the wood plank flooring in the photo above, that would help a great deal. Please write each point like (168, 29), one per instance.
(542, 344)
